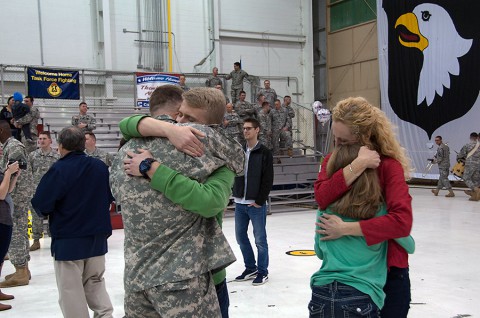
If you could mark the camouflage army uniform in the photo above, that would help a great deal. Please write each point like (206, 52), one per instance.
(237, 83)
(106, 157)
(232, 129)
(85, 119)
(245, 110)
(19, 247)
(168, 249)
(38, 164)
(442, 158)
(280, 120)
(471, 174)
(265, 135)
(30, 118)
(270, 95)
(213, 80)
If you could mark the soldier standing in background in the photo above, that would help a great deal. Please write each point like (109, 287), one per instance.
(83, 120)
(30, 118)
(265, 135)
(442, 158)
(14, 150)
(39, 161)
(471, 175)
(269, 93)
(237, 76)
(92, 151)
(231, 122)
(213, 80)
(281, 124)
(182, 84)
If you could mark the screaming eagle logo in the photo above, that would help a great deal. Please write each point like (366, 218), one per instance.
(54, 90)
(430, 56)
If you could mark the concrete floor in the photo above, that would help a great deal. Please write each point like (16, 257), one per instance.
(444, 268)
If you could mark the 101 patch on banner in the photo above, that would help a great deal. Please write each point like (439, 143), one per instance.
(53, 84)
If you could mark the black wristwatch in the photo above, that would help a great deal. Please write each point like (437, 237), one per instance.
(145, 166)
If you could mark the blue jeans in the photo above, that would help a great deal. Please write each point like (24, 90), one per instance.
(223, 299)
(243, 215)
(337, 300)
(397, 291)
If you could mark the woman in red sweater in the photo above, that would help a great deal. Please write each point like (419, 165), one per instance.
(354, 120)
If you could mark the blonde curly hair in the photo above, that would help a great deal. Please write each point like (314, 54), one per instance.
(373, 129)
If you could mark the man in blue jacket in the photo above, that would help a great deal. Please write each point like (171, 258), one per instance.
(75, 194)
(250, 192)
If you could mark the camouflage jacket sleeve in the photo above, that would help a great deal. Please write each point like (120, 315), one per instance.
(440, 155)
(463, 153)
(128, 126)
(92, 124)
(207, 199)
(30, 118)
(75, 120)
(291, 111)
(227, 149)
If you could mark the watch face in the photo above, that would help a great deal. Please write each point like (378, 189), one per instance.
(144, 167)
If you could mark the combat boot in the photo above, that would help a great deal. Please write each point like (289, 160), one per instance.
(450, 194)
(21, 277)
(5, 296)
(4, 307)
(435, 191)
(35, 246)
(468, 192)
(475, 195)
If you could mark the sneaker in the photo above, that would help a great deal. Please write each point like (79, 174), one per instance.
(246, 275)
(260, 279)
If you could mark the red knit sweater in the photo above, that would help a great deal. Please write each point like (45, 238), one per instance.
(396, 223)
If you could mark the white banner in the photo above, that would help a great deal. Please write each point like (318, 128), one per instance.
(147, 82)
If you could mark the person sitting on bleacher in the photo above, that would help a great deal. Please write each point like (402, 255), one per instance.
(84, 121)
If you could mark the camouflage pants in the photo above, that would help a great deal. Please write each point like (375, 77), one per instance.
(29, 147)
(281, 136)
(37, 224)
(265, 140)
(191, 298)
(19, 246)
(471, 176)
(235, 92)
(443, 181)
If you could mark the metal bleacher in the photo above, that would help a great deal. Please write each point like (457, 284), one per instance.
(107, 131)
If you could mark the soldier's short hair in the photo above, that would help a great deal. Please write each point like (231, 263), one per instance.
(91, 134)
(277, 100)
(82, 103)
(210, 99)
(238, 64)
(242, 92)
(72, 139)
(473, 135)
(46, 133)
(439, 137)
(29, 97)
(265, 104)
(259, 96)
(166, 99)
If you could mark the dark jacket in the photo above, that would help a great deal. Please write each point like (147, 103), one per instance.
(259, 175)
(19, 110)
(75, 194)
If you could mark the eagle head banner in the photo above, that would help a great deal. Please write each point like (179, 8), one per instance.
(429, 56)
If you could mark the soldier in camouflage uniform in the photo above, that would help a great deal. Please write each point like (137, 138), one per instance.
(442, 158)
(213, 80)
(237, 76)
(231, 122)
(92, 151)
(244, 110)
(169, 252)
(471, 175)
(281, 124)
(269, 93)
(30, 118)
(39, 161)
(83, 120)
(265, 135)
(14, 150)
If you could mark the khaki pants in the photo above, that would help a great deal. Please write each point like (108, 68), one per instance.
(80, 284)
